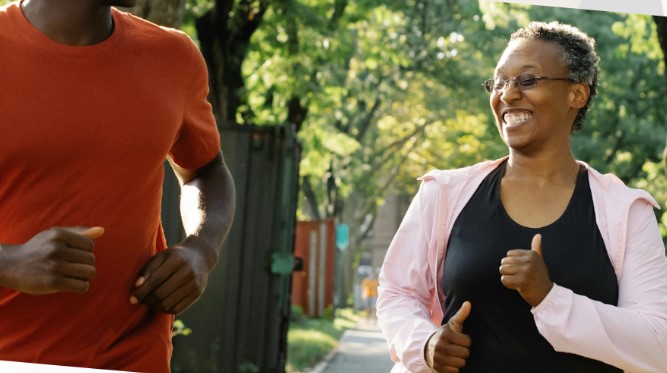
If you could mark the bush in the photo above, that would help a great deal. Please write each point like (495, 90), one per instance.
(297, 315)
(329, 312)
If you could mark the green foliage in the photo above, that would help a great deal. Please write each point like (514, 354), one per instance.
(179, 328)
(306, 347)
(310, 341)
(329, 313)
(297, 316)
(193, 10)
(384, 86)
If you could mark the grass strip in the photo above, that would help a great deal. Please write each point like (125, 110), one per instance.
(310, 340)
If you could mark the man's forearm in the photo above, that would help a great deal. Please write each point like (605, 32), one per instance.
(207, 208)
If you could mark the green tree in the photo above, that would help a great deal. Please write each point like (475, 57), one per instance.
(661, 30)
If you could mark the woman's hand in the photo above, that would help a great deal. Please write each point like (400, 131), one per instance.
(526, 272)
(448, 348)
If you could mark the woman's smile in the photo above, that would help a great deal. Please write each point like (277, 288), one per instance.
(515, 118)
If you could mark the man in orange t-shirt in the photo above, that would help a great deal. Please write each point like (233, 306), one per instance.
(93, 101)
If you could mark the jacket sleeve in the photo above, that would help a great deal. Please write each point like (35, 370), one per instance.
(631, 336)
(406, 286)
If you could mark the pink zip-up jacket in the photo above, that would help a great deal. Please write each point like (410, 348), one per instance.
(631, 336)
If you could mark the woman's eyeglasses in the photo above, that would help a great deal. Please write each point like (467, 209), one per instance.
(523, 82)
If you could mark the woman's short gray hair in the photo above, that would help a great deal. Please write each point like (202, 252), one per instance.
(577, 53)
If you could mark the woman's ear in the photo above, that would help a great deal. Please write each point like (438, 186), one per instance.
(580, 94)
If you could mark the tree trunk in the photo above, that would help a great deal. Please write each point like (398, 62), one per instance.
(224, 42)
(311, 198)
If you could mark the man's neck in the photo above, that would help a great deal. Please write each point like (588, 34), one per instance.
(80, 22)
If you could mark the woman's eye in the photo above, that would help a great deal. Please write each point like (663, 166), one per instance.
(529, 82)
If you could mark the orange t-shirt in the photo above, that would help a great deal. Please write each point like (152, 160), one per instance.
(84, 132)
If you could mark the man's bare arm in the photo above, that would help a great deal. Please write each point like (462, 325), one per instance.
(176, 277)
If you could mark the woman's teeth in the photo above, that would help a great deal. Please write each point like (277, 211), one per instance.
(514, 118)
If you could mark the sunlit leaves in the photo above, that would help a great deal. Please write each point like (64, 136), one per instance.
(639, 31)
(502, 15)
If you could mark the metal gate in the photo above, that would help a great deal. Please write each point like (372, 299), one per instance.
(240, 323)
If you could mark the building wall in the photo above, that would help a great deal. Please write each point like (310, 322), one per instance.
(386, 224)
(389, 217)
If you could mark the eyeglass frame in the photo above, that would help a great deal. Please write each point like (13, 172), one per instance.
(489, 84)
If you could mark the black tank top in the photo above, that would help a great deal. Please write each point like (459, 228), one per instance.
(501, 326)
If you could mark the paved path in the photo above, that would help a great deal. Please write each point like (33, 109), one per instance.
(362, 349)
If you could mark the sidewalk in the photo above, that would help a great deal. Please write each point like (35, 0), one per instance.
(362, 349)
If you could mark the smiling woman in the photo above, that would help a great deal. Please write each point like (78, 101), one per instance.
(534, 262)
(542, 113)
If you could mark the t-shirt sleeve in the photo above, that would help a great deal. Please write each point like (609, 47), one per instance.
(198, 140)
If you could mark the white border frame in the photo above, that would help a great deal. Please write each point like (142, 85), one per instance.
(649, 7)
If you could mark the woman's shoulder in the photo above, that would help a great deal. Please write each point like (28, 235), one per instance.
(453, 176)
(614, 189)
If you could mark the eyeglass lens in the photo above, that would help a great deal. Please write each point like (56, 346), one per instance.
(523, 81)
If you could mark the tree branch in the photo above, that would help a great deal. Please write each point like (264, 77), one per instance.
(366, 122)
(309, 193)
(339, 9)
(382, 189)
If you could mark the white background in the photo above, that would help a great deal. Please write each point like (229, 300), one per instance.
(650, 7)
